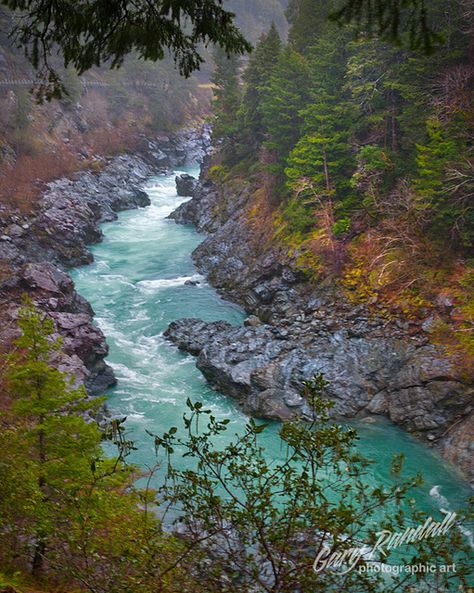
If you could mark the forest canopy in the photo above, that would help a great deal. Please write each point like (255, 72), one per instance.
(91, 33)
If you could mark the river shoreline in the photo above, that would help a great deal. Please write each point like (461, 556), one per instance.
(288, 336)
(297, 329)
(38, 250)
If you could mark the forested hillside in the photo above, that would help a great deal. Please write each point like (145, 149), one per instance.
(365, 152)
(254, 16)
(337, 203)
(102, 113)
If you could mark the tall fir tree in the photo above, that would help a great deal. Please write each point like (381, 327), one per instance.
(51, 441)
(308, 19)
(288, 94)
(444, 183)
(227, 92)
(68, 513)
(261, 66)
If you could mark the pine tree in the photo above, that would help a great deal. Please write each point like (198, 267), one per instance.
(322, 158)
(68, 512)
(308, 19)
(50, 439)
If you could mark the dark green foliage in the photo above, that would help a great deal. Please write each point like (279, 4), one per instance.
(68, 514)
(308, 21)
(323, 156)
(264, 524)
(344, 124)
(299, 213)
(261, 66)
(444, 184)
(49, 442)
(226, 93)
(411, 22)
(287, 95)
(94, 32)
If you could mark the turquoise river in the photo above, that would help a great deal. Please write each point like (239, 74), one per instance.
(136, 286)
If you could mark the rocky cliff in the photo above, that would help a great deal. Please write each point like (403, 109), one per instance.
(36, 250)
(297, 328)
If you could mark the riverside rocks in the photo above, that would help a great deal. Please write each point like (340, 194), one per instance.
(35, 251)
(374, 366)
(185, 185)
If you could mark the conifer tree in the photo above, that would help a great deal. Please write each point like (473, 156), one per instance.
(444, 183)
(50, 438)
(288, 94)
(260, 68)
(308, 19)
(322, 157)
(67, 511)
(226, 93)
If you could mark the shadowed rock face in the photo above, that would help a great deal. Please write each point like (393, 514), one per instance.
(37, 249)
(374, 366)
(52, 291)
(185, 185)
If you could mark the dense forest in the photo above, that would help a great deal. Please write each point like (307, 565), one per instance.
(366, 155)
(356, 144)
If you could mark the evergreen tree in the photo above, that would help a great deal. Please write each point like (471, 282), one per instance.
(261, 66)
(52, 443)
(323, 154)
(323, 157)
(442, 185)
(67, 512)
(288, 94)
(308, 19)
(226, 93)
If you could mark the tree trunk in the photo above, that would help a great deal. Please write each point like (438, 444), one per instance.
(38, 558)
(40, 546)
(326, 172)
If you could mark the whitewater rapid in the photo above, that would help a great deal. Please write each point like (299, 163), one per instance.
(143, 278)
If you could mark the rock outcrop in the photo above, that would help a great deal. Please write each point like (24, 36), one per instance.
(186, 185)
(36, 250)
(374, 366)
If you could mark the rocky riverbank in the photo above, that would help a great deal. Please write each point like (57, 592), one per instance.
(37, 250)
(296, 329)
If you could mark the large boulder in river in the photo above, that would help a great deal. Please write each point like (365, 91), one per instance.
(375, 364)
(186, 185)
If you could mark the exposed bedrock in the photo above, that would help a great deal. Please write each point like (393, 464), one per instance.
(36, 250)
(186, 185)
(297, 329)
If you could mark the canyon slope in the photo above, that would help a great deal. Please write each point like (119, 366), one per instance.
(297, 328)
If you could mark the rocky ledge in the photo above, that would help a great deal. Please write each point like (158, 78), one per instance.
(37, 250)
(296, 329)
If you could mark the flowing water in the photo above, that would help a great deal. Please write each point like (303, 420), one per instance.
(137, 286)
